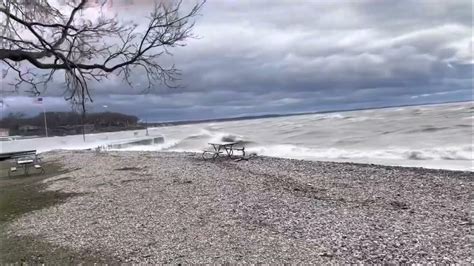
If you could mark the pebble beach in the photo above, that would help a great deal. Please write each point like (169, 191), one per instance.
(152, 207)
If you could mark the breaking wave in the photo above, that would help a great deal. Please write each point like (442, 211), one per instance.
(432, 136)
(429, 129)
(292, 151)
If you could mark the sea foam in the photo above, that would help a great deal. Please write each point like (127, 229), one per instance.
(428, 136)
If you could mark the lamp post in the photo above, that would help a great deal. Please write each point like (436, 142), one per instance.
(146, 126)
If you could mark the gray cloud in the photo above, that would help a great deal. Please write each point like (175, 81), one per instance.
(255, 57)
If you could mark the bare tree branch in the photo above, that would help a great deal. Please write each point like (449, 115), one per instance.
(38, 33)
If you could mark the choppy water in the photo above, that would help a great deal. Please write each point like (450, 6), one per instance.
(436, 136)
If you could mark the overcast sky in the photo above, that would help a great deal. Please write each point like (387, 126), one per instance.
(283, 56)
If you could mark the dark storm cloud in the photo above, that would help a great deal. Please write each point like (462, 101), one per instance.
(256, 57)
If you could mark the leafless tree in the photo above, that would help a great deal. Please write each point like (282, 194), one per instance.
(40, 40)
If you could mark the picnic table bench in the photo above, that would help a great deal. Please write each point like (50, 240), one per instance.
(224, 147)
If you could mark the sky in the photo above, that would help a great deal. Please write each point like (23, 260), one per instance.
(256, 57)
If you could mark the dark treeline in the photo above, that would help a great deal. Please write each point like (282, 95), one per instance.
(66, 123)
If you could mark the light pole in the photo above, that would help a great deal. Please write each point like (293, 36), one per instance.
(146, 126)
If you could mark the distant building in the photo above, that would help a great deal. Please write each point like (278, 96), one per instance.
(4, 132)
(28, 128)
(73, 129)
(89, 128)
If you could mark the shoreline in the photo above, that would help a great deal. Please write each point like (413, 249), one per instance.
(154, 207)
(414, 166)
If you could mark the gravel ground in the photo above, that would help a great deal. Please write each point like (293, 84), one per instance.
(154, 207)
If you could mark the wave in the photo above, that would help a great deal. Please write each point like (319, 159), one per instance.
(429, 129)
(192, 143)
(198, 141)
(219, 136)
(434, 138)
(292, 151)
(335, 116)
(362, 118)
(168, 144)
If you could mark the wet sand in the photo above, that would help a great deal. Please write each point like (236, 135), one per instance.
(154, 207)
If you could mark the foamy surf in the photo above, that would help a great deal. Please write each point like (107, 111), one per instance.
(452, 158)
(438, 136)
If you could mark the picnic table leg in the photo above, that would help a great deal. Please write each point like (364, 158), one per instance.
(217, 149)
(229, 151)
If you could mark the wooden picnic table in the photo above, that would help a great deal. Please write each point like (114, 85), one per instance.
(25, 160)
(227, 146)
(25, 164)
(220, 148)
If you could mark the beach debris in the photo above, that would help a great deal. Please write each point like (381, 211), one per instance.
(399, 205)
(127, 168)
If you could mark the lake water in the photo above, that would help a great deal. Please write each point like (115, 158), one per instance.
(432, 136)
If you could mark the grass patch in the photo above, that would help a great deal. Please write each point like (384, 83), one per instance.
(20, 194)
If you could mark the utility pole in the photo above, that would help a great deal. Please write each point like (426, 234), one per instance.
(146, 126)
(45, 121)
(40, 101)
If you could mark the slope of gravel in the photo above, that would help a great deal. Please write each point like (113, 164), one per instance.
(176, 208)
